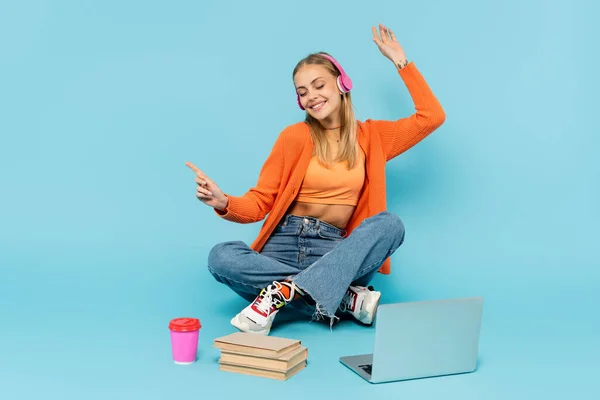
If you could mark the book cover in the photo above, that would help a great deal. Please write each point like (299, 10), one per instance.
(283, 363)
(269, 346)
(263, 373)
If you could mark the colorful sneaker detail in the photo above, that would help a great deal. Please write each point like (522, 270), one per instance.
(361, 303)
(259, 315)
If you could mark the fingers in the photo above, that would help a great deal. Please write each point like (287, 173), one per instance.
(392, 36)
(385, 34)
(203, 194)
(199, 173)
(193, 167)
(201, 182)
(376, 37)
(382, 33)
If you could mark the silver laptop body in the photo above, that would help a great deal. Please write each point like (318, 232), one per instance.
(422, 339)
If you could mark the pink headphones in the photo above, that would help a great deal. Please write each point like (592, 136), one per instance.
(343, 81)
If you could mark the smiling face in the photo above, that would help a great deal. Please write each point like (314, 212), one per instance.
(319, 94)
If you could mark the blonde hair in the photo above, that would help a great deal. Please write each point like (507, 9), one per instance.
(348, 144)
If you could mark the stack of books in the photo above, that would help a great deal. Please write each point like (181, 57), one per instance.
(266, 356)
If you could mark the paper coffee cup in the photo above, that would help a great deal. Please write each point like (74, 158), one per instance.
(184, 339)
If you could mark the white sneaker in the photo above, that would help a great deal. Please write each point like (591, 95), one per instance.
(259, 315)
(361, 303)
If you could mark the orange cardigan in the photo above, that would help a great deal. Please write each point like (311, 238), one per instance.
(282, 173)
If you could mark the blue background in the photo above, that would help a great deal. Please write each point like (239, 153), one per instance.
(102, 240)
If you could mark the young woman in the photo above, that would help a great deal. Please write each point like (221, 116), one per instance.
(323, 188)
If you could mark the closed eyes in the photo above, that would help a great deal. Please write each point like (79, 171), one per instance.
(321, 86)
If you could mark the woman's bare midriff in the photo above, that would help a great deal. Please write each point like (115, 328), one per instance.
(335, 214)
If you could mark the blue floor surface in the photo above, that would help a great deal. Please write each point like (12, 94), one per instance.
(104, 335)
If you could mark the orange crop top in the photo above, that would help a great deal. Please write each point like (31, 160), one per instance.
(337, 185)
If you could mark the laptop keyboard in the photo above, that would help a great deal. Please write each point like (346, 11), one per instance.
(366, 368)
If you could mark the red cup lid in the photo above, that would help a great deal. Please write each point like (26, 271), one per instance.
(184, 324)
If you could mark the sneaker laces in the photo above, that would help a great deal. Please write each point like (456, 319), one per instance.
(347, 301)
(272, 296)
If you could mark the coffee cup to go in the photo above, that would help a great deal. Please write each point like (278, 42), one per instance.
(184, 339)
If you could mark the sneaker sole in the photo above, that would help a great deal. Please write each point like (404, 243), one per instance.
(235, 321)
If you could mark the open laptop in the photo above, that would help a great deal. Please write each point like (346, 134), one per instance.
(422, 339)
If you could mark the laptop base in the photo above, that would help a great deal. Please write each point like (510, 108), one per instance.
(361, 364)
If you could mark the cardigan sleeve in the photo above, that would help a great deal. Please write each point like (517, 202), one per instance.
(402, 134)
(257, 202)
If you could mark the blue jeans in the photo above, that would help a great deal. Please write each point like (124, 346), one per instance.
(313, 254)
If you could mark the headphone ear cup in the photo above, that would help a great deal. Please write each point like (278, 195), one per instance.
(340, 82)
(299, 103)
(347, 82)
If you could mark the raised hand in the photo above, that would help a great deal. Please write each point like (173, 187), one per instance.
(389, 46)
(207, 191)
